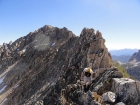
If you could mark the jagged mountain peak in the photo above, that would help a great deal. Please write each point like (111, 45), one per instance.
(36, 68)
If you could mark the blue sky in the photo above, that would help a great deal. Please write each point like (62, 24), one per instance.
(117, 20)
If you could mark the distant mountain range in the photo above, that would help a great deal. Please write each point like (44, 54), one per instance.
(122, 55)
(121, 58)
(123, 52)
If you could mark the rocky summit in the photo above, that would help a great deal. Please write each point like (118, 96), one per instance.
(44, 68)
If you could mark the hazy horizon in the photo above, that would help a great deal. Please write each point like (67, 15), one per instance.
(117, 20)
(124, 49)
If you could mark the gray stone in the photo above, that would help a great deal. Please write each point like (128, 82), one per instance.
(127, 90)
(95, 103)
(108, 97)
(120, 103)
(10, 43)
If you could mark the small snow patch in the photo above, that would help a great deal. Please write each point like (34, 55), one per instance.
(1, 90)
(53, 83)
(53, 44)
(135, 65)
(3, 101)
(24, 50)
(1, 80)
(16, 86)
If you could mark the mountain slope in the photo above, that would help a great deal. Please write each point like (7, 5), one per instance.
(133, 66)
(135, 57)
(39, 65)
(44, 67)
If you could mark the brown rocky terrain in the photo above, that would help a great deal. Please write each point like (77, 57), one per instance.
(43, 68)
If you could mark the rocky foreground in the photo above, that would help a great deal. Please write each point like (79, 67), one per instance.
(43, 68)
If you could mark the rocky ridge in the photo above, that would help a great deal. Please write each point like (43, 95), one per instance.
(135, 57)
(43, 68)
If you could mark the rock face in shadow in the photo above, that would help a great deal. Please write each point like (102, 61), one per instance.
(35, 68)
(134, 71)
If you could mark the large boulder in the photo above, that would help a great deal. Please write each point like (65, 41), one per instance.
(120, 103)
(127, 90)
(109, 97)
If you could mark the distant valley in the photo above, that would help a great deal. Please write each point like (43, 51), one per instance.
(130, 58)
(121, 58)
